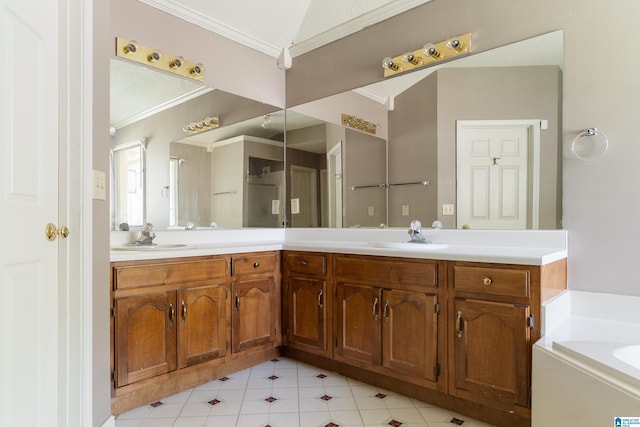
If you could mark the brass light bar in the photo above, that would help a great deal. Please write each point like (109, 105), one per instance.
(427, 55)
(360, 124)
(137, 52)
(208, 123)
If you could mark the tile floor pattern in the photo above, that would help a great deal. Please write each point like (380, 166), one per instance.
(287, 393)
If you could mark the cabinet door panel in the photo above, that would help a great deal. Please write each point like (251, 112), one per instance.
(308, 312)
(409, 326)
(201, 325)
(492, 351)
(358, 332)
(253, 316)
(145, 337)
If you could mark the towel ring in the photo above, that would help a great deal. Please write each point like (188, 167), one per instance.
(585, 147)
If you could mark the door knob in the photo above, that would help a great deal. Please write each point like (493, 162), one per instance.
(52, 232)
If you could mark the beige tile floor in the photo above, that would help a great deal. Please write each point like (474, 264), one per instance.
(287, 393)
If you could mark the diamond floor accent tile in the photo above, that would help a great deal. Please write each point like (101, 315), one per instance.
(332, 425)
(270, 399)
(214, 402)
(156, 404)
(394, 423)
(321, 376)
(326, 397)
(457, 421)
(223, 379)
(380, 395)
(273, 377)
(275, 360)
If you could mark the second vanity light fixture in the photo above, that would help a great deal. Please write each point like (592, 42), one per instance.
(360, 124)
(137, 52)
(208, 123)
(427, 55)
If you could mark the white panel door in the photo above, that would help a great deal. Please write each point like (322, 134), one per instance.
(492, 171)
(29, 298)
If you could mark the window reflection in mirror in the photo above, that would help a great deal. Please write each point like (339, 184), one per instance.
(184, 170)
(127, 164)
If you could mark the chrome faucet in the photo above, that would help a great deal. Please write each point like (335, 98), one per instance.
(415, 232)
(147, 236)
(190, 226)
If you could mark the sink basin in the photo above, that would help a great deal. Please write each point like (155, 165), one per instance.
(409, 245)
(165, 247)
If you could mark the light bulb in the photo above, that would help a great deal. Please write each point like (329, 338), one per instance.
(266, 122)
(388, 64)
(410, 58)
(430, 50)
(456, 45)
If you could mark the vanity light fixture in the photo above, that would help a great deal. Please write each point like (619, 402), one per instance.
(427, 55)
(134, 51)
(208, 123)
(360, 124)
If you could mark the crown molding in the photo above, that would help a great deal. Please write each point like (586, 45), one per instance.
(164, 106)
(371, 94)
(354, 25)
(214, 26)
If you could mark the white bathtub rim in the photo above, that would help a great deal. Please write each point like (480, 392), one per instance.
(597, 359)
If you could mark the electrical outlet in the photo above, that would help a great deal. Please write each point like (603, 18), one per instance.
(371, 211)
(447, 209)
(275, 207)
(405, 210)
(99, 185)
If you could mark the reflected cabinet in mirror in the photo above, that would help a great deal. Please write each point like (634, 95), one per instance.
(212, 159)
(473, 143)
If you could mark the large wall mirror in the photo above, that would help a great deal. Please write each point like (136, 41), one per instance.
(229, 177)
(473, 143)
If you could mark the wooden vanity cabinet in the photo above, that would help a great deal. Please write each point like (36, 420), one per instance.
(167, 315)
(307, 301)
(494, 318)
(255, 318)
(386, 316)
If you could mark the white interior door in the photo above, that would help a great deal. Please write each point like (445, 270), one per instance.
(492, 174)
(30, 369)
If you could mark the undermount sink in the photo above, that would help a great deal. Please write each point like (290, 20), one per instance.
(414, 246)
(155, 247)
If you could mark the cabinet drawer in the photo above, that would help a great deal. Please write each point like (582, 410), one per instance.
(253, 264)
(306, 263)
(127, 277)
(493, 281)
(379, 270)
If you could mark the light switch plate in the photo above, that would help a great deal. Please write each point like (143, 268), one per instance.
(447, 209)
(371, 211)
(275, 207)
(99, 185)
(405, 210)
(295, 206)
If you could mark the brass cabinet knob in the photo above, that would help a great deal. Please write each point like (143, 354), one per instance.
(487, 281)
(52, 232)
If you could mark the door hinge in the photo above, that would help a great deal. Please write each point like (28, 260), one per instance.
(226, 293)
(226, 344)
(336, 342)
(287, 331)
(437, 308)
(531, 321)
(113, 375)
(113, 311)
(437, 370)
(275, 331)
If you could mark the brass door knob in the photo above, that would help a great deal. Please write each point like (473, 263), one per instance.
(487, 281)
(52, 232)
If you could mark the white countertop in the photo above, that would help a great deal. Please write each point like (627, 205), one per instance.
(518, 247)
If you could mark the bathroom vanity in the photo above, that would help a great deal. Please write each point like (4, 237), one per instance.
(446, 326)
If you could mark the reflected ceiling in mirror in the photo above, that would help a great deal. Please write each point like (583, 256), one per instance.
(416, 114)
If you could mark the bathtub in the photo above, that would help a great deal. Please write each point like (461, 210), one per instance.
(586, 368)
